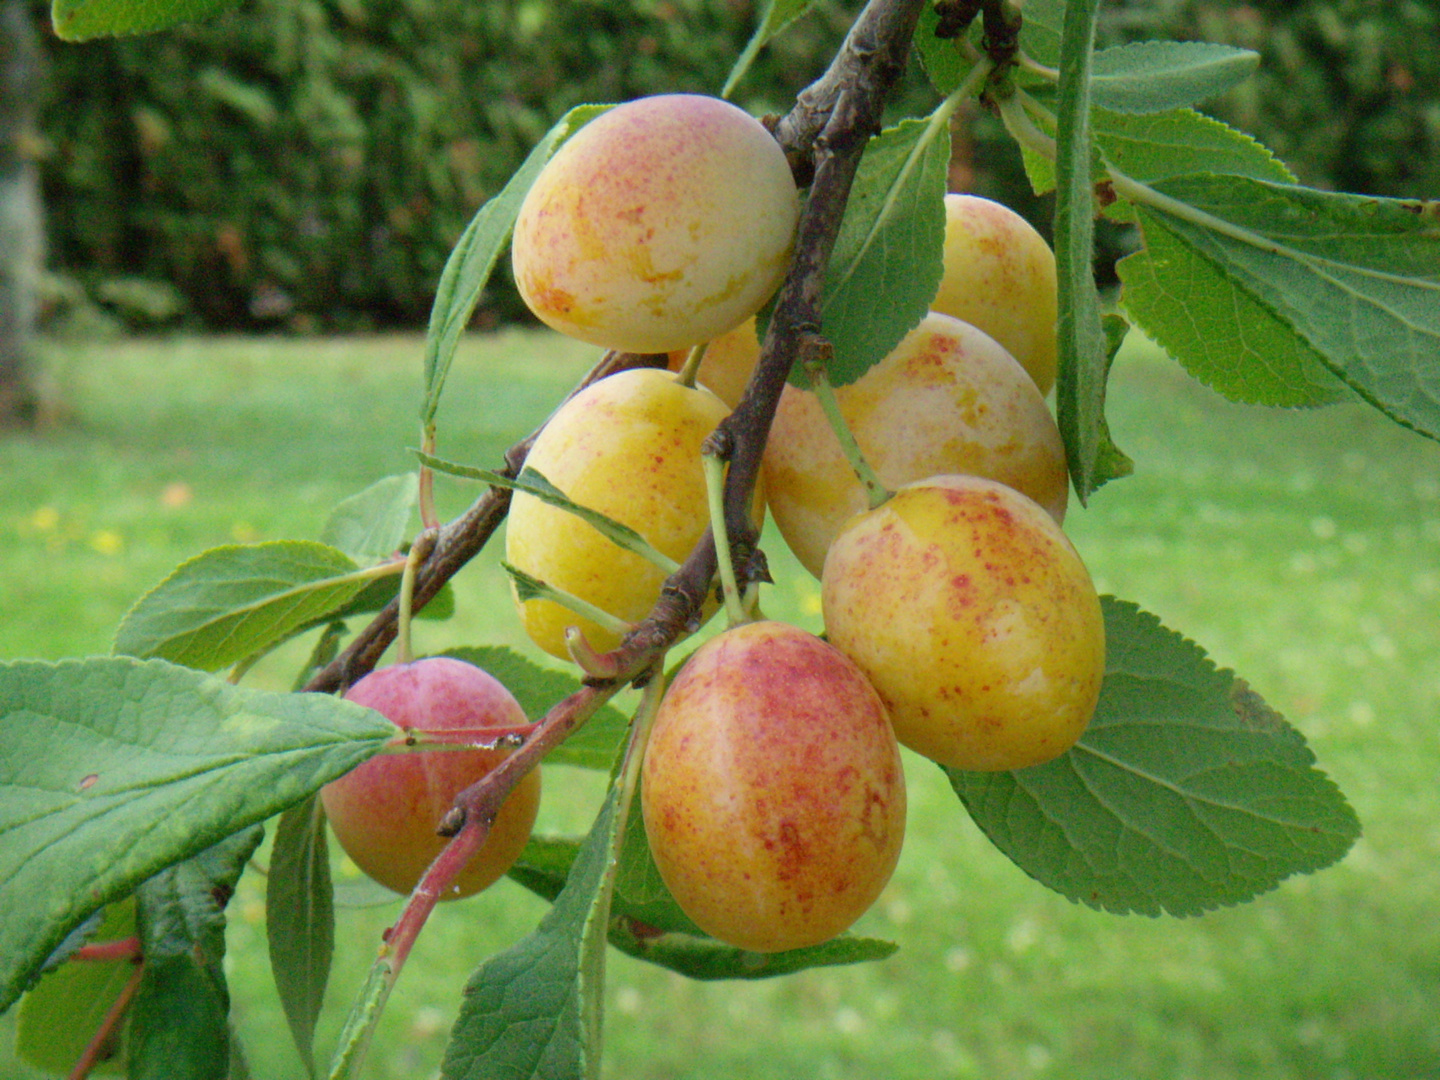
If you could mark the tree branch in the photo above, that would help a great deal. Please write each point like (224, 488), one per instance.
(851, 96)
(879, 37)
(455, 544)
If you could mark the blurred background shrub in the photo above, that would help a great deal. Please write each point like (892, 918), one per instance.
(306, 165)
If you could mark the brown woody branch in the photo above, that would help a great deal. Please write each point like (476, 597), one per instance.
(451, 547)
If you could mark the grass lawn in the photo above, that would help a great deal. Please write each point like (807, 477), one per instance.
(1301, 549)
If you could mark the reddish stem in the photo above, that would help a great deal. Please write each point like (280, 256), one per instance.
(400, 938)
(120, 949)
(428, 519)
(95, 1048)
(824, 137)
(477, 806)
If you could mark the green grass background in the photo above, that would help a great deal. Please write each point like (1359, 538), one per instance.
(1301, 549)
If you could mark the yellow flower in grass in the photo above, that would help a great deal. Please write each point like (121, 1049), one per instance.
(107, 542)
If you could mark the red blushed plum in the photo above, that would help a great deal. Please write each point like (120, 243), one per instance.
(384, 813)
(773, 794)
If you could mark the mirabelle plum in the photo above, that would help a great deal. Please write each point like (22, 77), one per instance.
(629, 447)
(772, 791)
(728, 363)
(385, 812)
(1000, 276)
(974, 618)
(948, 399)
(660, 224)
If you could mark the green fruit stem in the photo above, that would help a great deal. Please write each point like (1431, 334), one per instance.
(418, 552)
(729, 583)
(1016, 117)
(428, 518)
(532, 588)
(691, 367)
(875, 491)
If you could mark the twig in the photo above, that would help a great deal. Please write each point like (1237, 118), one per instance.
(873, 57)
(455, 545)
(99, 952)
(468, 829)
(100, 1041)
(880, 36)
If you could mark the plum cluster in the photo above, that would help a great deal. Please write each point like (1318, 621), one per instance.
(961, 622)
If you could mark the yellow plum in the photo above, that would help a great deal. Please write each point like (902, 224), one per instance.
(974, 618)
(948, 399)
(1000, 276)
(662, 223)
(629, 447)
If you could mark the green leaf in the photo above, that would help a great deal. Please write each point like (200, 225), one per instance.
(474, 256)
(239, 1066)
(1182, 141)
(1042, 28)
(78, 20)
(940, 57)
(1153, 76)
(58, 1018)
(887, 260)
(711, 960)
(371, 525)
(1085, 353)
(1186, 792)
(532, 482)
(527, 587)
(300, 920)
(595, 746)
(1349, 281)
(641, 893)
(112, 769)
(1223, 336)
(534, 1009)
(179, 1020)
(360, 1023)
(544, 866)
(1160, 145)
(777, 15)
(231, 602)
(646, 923)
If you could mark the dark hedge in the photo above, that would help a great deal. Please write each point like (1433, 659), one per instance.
(308, 163)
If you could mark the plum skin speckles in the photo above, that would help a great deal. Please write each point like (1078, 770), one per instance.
(773, 792)
(975, 619)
